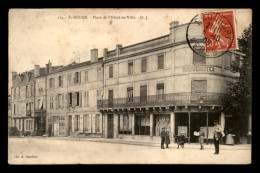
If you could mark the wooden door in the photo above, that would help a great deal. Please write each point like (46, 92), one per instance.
(70, 125)
(110, 126)
(56, 126)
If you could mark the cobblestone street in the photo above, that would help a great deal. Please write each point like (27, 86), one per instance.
(30, 150)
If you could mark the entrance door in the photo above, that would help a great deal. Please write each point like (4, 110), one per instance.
(197, 120)
(110, 126)
(56, 126)
(110, 98)
(70, 125)
(143, 93)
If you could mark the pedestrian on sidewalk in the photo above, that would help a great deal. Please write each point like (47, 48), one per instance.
(217, 135)
(182, 139)
(201, 138)
(167, 139)
(163, 135)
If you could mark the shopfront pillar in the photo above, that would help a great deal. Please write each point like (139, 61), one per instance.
(189, 128)
(133, 125)
(250, 123)
(105, 125)
(115, 135)
(151, 125)
(222, 121)
(172, 120)
(207, 125)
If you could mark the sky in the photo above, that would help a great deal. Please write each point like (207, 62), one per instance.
(39, 35)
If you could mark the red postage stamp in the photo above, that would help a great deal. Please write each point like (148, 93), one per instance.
(219, 31)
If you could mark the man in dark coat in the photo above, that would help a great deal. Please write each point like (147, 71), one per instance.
(167, 139)
(217, 136)
(163, 135)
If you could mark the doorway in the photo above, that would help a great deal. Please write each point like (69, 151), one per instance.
(110, 98)
(197, 120)
(110, 129)
(56, 126)
(70, 125)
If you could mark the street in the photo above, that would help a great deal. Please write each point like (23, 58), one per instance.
(48, 151)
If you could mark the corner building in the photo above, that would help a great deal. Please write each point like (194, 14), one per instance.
(163, 83)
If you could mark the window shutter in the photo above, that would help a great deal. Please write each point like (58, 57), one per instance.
(84, 98)
(62, 100)
(57, 105)
(198, 86)
(160, 61)
(160, 86)
(80, 98)
(74, 99)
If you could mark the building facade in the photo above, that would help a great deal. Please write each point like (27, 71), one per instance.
(72, 93)
(131, 92)
(163, 83)
(22, 101)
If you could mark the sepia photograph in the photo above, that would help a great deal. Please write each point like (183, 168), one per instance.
(129, 86)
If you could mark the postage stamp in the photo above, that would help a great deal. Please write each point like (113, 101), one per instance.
(219, 34)
(219, 31)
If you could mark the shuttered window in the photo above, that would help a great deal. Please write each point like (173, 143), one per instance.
(144, 65)
(160, 61)
(130, 67)
(197, 59)
(199, 86)
(86, 123)
(97, 123)
(60, 81)
(86, 76)
(160, 91)
(143, 93)
(130, 94)
(110, 71)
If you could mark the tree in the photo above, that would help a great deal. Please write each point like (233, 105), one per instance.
(238, 100)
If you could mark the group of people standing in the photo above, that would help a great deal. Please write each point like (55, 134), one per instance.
(180, 140)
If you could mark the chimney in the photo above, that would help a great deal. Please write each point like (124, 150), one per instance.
(105, 53)
(94, 55)
(172, 27)
(14, 74)
(118, 46)
(36, 70)
(48, 67)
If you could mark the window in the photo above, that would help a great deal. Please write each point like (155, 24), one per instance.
(15, 93)
(144, 65)
(86, 97)
(160, 91)
(29, 124)
(60, 81)
(130, 94)
(97, 122)
(197, 59)
(99, 73)
(60, 100)
(86, 123)
(19, 92)
(26, 92)
(69, 99)
(40, 104)
(51, 82)
(77, 104)
(125, 124)
(227, 60)
(110, 71)
(76, 77)
(69, 79)
(32, 90)
(14, 110)
(98, 93)
(76, 123)
(130, 67)
(51, 101)
(86, 76)
(160, 61)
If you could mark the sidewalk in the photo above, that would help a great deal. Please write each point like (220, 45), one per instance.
(146, 143)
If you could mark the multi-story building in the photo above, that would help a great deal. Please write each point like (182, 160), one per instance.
(72, 93)
(163, 83)
(22, 101)
(9, 112)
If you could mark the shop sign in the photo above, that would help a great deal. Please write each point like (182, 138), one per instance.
(199, 68)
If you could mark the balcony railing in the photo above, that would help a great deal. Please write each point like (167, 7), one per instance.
(174, 99)
(28, 112)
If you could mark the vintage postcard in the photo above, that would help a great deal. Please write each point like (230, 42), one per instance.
(129, 86)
